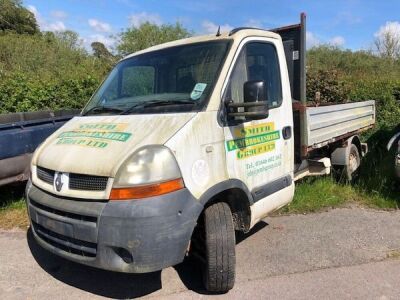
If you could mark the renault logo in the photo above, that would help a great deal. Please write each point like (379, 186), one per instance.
(59, 182)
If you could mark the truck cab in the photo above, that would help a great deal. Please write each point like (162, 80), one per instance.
(181, 145)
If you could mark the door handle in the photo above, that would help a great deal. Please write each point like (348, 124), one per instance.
(287, 132)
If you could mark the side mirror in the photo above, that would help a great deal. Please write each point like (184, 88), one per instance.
(255, 105)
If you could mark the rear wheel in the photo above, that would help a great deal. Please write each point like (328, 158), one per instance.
(219, 248)
(349, 171)
(353, 164)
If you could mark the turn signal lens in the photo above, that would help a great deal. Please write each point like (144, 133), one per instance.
(145, 191)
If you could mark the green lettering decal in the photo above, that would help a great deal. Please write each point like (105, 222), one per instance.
(114, 136)
(82, 142)
(253, 140)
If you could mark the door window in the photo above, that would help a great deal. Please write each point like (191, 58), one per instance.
(257, 61)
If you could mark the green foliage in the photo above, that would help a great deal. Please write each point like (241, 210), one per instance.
(359, 76)
(147, 34)
(343, 75)
(352, 64)
(100, 51)
(47, 71)
(21, 93)
(16, 18)
(324, 86)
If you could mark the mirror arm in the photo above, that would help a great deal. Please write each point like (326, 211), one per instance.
(245, 114)
(248, 104)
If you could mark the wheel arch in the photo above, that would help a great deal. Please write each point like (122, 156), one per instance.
(340, 154)
(236, 194)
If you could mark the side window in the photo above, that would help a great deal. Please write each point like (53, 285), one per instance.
(257, 61)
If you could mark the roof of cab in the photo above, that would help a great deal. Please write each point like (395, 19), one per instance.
(237, 34)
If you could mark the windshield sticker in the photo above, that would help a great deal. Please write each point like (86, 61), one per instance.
(198, 91)
(96, 135)
(253, 140)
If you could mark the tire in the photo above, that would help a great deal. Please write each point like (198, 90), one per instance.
(354, 162)
(219, 238)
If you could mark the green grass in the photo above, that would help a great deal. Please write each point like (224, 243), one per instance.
(12, 207)
(319, 193)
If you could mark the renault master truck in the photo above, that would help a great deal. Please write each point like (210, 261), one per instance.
(183, 144)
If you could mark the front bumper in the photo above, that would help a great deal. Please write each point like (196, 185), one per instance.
(134, 236)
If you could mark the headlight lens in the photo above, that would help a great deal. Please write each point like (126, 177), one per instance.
(151, 164)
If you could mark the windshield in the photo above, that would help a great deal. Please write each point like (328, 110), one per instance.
(176, 79)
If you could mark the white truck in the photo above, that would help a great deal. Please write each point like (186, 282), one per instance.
(182, 145)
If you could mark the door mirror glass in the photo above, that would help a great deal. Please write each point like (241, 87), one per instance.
(254, 105)
(254, 91)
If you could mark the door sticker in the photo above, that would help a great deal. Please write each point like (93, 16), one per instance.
(253, 140)
(96, 135)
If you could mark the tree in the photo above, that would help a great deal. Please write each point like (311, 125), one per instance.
(148, 34)
(387, 40)
(16, 18)
(100, 51)
(69, 38)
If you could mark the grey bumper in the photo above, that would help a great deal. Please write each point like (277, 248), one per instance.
(134, 236)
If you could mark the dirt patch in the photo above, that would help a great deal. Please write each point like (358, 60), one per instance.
(393, 254)
(14, 218)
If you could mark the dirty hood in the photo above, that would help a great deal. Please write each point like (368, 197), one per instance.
(98, 145)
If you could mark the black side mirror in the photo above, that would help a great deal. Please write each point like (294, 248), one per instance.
(255, 105)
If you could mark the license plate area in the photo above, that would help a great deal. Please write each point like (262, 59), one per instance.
(57, 226)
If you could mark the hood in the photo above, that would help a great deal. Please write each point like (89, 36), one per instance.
(97, 145)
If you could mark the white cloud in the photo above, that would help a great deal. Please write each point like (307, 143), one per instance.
(99, 26)
(393, 28)
(34, 10)
(254, 23)
(44, 24)
(58, 14)
(338, 41)
(210, 27)
(55, 26)
(312, 40)
(138, 19)
(109, 42)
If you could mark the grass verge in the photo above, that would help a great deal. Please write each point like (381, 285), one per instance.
(319, 193)
(12, 207)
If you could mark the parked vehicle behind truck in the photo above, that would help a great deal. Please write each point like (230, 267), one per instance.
(183, 144)
(392, 143)
(20, 134)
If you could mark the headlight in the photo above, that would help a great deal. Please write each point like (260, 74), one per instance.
(150, 171)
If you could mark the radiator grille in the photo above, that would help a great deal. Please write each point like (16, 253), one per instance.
(45, 174)
(76, 181)
(87, 182)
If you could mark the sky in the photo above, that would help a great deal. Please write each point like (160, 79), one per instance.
(350, 24)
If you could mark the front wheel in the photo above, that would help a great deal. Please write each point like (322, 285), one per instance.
(219, 239)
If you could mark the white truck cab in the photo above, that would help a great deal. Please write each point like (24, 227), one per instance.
(183, 144)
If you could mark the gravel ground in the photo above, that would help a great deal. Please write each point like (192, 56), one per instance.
(343, 253)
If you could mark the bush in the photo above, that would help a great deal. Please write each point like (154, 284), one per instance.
(47, 71)
(327, 83)
(20, 93)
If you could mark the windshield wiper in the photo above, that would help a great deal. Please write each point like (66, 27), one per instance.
(101, 109)
(153, 103)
